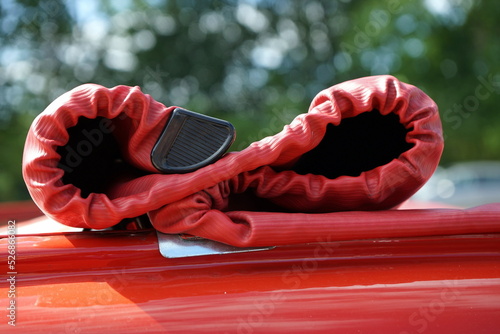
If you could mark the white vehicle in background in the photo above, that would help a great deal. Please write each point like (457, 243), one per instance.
(465, 184)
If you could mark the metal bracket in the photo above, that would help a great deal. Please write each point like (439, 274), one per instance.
(174, 246)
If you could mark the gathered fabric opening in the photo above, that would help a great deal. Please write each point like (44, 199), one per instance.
(358, 144)
(91, 159)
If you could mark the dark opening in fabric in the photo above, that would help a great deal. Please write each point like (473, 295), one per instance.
(356, 145)
(91, 159)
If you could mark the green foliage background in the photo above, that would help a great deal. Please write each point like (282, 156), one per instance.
(254, 63)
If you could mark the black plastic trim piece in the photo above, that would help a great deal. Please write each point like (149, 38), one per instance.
(190, 141)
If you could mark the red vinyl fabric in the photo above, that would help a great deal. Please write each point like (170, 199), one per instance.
(253, 229)
(289, 183)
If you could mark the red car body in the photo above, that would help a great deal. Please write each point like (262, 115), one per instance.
(119, 282)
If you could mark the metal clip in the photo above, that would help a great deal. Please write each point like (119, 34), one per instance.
(174, 246)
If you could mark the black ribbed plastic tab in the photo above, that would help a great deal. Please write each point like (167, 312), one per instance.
(191, 141)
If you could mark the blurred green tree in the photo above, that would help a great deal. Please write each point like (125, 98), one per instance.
(256, 63)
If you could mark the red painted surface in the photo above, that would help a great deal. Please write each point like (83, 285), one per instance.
(117, 282)
(19, 211)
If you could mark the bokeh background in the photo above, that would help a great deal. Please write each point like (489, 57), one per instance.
(256, 63)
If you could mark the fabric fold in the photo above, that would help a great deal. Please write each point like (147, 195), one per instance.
(365, 144)
(256, 229)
